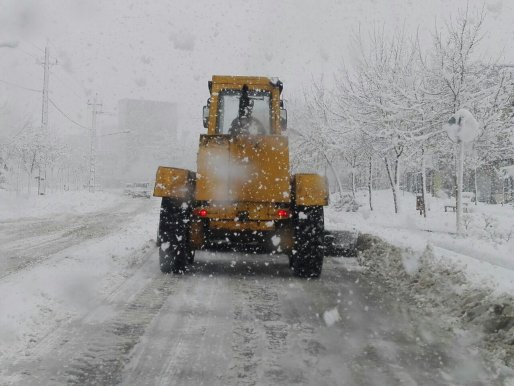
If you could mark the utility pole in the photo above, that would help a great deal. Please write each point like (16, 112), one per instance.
(92, 155)
(44, 114)
(46, 76)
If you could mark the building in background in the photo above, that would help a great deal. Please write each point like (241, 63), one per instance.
(146, 137)
(151, 139)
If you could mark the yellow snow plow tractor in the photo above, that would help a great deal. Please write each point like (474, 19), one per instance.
(242, 191)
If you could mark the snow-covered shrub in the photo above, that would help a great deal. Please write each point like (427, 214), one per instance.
(487, 227)
(467, 220)
(508, 234)
(3, 180)
(3, 173)
(490, 222)
(344, 202)
(495, 231)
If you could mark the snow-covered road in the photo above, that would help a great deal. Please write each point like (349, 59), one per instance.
(30, 240)
(108, 316)
(247, 320)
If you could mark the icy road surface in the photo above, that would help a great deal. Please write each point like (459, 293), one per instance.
(235, 319)
(27, 241)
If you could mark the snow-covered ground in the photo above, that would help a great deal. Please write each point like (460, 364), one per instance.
(485, 253)
(60, 254)
(13, 206)
(466, 281)
(83, 302)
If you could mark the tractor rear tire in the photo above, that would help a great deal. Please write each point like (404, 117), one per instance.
(174, 228)
(158, 237)
(190, 256)
(290, 258)
(306, 259)
(164, 221)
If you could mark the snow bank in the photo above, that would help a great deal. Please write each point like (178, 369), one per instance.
(468, 281)
(72, 282)
(485, 255)
(75, 202)
(442, 289)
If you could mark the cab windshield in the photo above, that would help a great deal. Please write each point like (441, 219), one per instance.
(256, 118)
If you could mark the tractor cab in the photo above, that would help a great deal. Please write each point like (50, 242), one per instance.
(244, 106)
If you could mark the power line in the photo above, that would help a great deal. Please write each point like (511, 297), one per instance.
(33, 45)
(66, 115)
(118, 132)
(67, 86)
(110, 113)
(79, 86)
(18, 86)
(52, 44)
(77, 83)
(28, 53)
(25, 127)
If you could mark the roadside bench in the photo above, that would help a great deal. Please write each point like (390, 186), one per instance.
(467, 199)
(465, 207)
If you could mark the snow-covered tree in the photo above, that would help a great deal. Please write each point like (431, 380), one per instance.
(384, 97)
(35, 151)
(315, 138)
(461, 79)
(392, 102)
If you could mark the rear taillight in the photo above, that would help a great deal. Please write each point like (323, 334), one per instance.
(201, 212)
(282, 213)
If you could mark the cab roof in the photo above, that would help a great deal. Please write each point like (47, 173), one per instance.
(240, 80)
(248, 80)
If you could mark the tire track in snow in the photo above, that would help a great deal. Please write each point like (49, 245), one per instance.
(196, 333)
(189, 343)
(26, 244)
(259, 333)
(102, 360)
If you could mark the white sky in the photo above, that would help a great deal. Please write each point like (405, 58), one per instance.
(168, 50)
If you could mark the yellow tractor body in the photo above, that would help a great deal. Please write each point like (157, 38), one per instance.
(243, 184)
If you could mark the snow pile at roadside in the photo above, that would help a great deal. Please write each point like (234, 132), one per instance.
(485, 254)
(468, 280)
(444, 290)
(76, 202)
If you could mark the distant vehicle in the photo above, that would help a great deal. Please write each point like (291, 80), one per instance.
(138, 189)
(127, 189)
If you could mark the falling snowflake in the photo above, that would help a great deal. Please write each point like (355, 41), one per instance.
(275, 240)
(331, 316)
